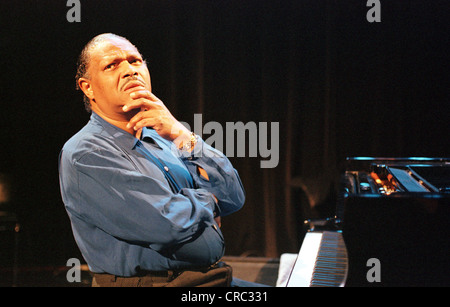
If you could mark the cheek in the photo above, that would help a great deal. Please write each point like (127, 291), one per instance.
(104, 89)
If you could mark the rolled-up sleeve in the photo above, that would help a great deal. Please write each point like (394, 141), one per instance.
(121, 201)
(223, 180)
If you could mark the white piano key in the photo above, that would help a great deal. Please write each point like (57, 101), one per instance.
(304, 265)
(321, 262)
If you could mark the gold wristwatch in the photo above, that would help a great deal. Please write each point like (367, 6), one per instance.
(188, 146)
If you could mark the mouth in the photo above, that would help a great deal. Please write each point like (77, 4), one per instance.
(133, 84)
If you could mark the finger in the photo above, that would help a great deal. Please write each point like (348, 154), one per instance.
(144, 100)
(135, 119)
(143, 119)
(153, 97)
(145, 122)
(141, 94)
(138, 134)
(144, 94)
(142, 104)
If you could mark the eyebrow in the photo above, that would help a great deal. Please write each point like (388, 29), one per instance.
(106, 60)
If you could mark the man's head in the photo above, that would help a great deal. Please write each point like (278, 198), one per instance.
(109, 69)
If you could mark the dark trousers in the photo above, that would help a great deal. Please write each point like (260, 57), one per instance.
(219, 275)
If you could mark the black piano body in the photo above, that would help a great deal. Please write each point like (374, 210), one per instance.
(397, 211)
(394, 217)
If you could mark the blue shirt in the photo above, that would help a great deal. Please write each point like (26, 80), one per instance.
(125, 215)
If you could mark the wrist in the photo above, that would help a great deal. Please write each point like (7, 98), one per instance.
(187, 142)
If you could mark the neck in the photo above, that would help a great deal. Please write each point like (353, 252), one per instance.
(120, 121)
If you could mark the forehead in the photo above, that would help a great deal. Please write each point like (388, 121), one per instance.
(112, 48)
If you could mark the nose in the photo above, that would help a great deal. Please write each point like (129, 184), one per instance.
(129, 70)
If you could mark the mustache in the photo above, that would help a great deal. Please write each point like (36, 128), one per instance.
(131, 79)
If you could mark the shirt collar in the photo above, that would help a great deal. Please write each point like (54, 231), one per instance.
(150, 136)
(124, 138)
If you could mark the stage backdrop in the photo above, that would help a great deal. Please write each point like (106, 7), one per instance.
(337, 84)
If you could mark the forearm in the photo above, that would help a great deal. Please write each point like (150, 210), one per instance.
(136, 207)
(213, 172)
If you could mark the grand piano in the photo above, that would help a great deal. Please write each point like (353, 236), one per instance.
(391, 228)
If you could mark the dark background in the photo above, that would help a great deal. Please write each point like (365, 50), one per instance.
(338, 85)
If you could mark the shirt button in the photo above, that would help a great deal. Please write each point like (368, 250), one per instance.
(166, 168)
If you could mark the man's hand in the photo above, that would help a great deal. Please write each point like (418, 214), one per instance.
(153, 113)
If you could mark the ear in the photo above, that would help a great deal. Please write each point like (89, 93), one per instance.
(85, 86)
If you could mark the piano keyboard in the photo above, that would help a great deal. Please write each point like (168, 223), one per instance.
(321, 262)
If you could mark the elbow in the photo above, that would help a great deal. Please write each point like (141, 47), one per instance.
(237, 198)
(240, 193)
(233, 202)
(240, 199)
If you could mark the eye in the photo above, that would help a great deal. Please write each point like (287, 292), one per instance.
(136, 61)
(110, 66)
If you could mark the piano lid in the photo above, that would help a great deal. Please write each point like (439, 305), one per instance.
(386, 176)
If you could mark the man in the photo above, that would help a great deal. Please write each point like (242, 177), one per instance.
(143, 193)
